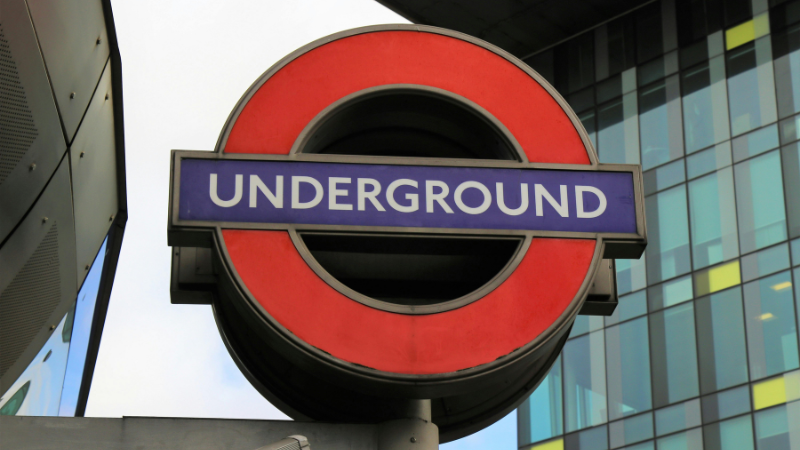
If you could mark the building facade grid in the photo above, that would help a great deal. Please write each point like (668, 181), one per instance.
(702, 351)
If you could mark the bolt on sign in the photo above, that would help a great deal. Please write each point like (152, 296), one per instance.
(401, 212)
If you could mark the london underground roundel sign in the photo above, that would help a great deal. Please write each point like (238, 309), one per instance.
(402, 212)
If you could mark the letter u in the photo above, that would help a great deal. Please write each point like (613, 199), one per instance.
(237, 196)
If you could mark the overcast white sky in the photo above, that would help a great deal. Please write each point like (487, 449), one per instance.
(185, 65)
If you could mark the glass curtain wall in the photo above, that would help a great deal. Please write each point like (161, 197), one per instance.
(702, 350)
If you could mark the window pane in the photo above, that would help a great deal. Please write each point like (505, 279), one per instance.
(690, 440)
(628, 360)
(81, 331)
(755, 143)
(38, 390)
(660, 121)
(587, 118)
(771, 330)
(678, 417)
(751, 86)
(585, 381)
(631, 430)
(670, 293)
(594, 439)
(674, 355)
(618, 136)
(540, 415)
(709, 160)
(705, 105)
(787, 70)
(664, 177)
(631, 274)
(585, 324)
(759, 202)
(713, 212)
(791, 175)
(734, 434)
(726, 404)
(779, 428)
(668, 229)
(765, 262)
(628, 307)
(721, 341)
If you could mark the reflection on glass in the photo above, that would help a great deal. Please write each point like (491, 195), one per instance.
(759, 202)
(585, 324)
(81, 330)
(778, 428)
(585, 381)
(592, 439)
(618, 136)
(791, 175)
(726, 404)
(709, 160)
(628, 361)
(751, 86)
(631, 274)
(787, 70)
(721, 340)
(660, 122)
(690, 440)
(631, 430)
(705, 105)
(664, 177)
(713, 212)
(765, 262)
(37, 391)
(674, 355)
(678, 417)
(668, 230)
(540, 415)
(628, 307)
(587, 118)
(670, 293)
(731, 434)
(755, 143)
(771, 330)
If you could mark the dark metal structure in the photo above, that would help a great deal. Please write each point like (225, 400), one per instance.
(62, 177)
(521, 27)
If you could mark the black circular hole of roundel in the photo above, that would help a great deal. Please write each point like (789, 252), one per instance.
(409, 270)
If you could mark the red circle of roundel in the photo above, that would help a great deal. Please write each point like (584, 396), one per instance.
(528, 302)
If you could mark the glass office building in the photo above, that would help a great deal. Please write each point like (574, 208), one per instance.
(702, 351)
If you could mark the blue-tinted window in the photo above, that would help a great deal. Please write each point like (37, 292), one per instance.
(591, 439)
(759, 202)
(771, 329)
(765, 262)
(670, 293)
(631, 430)
(778, 428)
(664, 177)
(678, 417)
(631, 274)
(540, 416)
(585, 381)
(660, 122)
(628, 307)
(787, 70)
(713, 211)
(722, 405)
(618, 131)
(668, 235)
(689, 440)
(81, 331)
(791, 177)
(733, 434)
(721, 340)
(674, 355)
(751, 86)
(585, 324)
(705, 105)
(628, 366)
(755, 143)
(709, 160)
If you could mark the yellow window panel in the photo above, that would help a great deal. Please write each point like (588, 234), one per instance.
(717, 279)
(552, 445)
(769, 393)
(746, 32)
